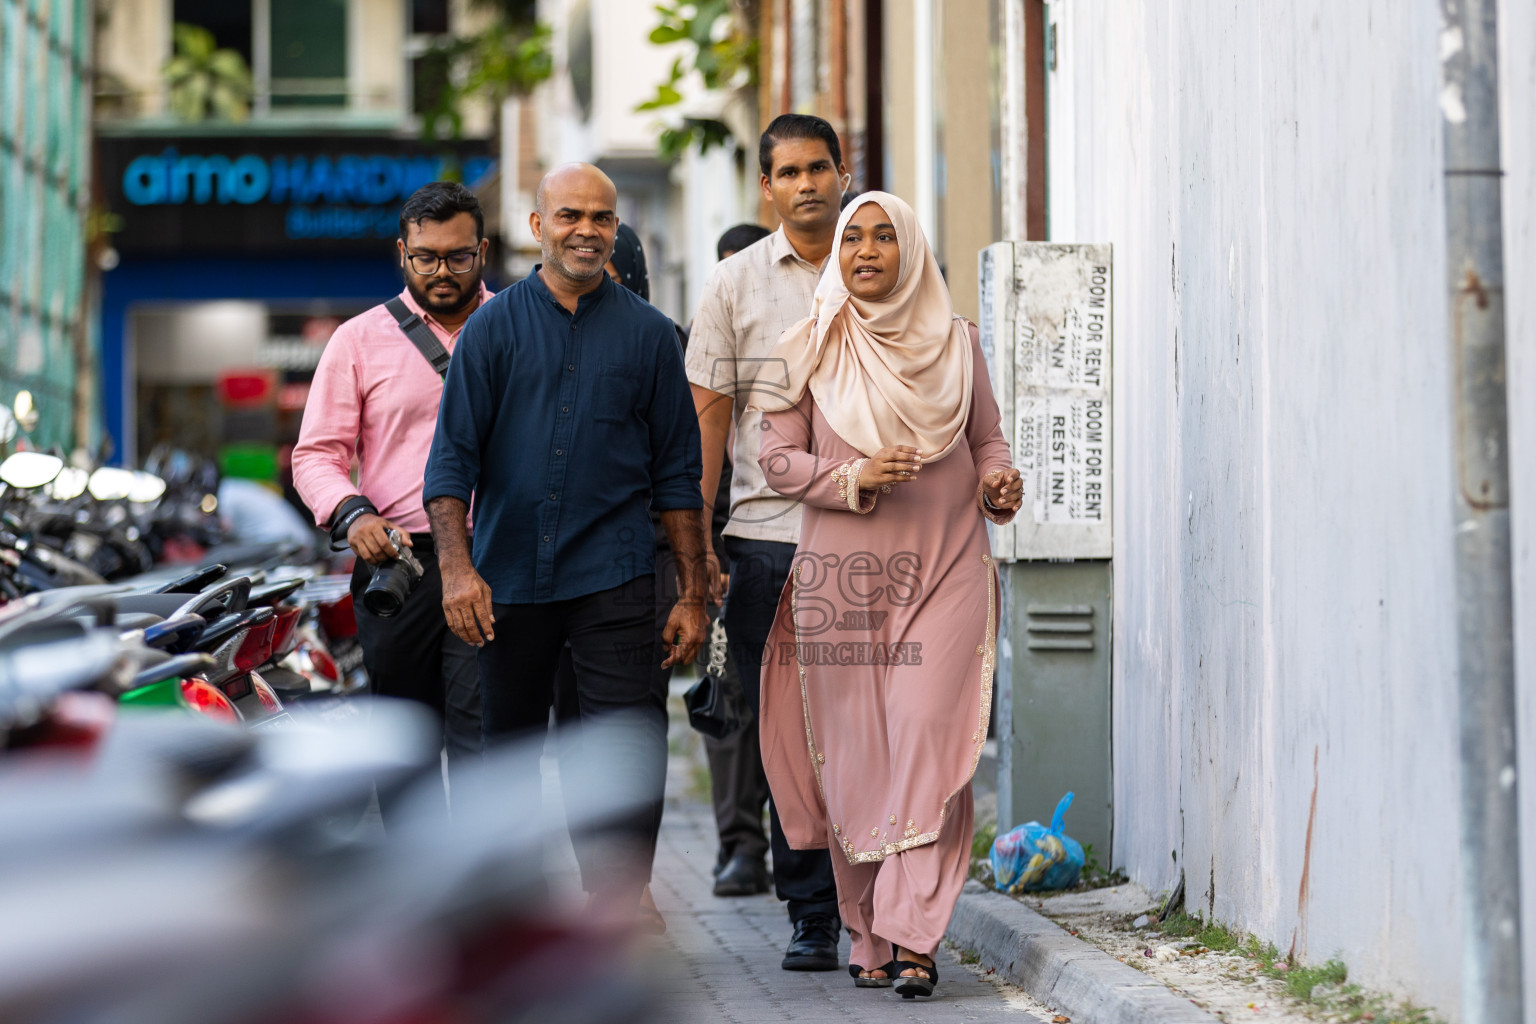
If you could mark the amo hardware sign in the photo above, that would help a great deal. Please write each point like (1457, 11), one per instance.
(269, 195)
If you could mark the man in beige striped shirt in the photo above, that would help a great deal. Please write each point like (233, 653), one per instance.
(749, 300)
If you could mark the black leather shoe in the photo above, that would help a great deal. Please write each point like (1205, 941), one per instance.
(814, 945)
(742, 876)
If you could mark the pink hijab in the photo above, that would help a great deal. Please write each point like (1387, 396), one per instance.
(893, 371)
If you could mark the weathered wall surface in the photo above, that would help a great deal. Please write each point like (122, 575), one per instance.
(1284, 684)
(1517, 84)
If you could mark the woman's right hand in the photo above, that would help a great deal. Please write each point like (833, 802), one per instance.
(894, 465)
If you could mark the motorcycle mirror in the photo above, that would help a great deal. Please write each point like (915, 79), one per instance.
(110, 483)
(8, 426)
(26, 470)
(26, 411)
(69, 484)
(146, 487)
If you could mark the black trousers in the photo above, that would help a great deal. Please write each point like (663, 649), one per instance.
(758, 570)
(738, 787)
(567, 704)
(739, 792)
(613, 654)
(568, 700)
(415, 656)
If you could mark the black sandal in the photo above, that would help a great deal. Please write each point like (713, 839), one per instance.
(910, 987)
(889, 968)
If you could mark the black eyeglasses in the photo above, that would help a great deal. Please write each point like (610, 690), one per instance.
(425, 263)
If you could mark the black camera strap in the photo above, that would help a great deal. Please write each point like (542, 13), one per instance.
(420, 334)
(345, 515)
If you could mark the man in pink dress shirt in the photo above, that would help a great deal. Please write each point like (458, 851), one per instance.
(376, 395)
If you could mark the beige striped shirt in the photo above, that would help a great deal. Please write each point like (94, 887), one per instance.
(749, 301)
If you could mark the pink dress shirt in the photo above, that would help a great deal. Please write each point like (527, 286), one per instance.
(376, 395)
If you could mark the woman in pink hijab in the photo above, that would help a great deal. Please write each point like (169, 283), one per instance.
(877, 679)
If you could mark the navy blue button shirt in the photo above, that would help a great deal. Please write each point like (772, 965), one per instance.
(566, 428)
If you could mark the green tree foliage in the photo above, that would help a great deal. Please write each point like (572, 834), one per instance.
(205, 81)
(721, 49)
(507, 58)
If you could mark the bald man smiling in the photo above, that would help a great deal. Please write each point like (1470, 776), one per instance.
(567, 416)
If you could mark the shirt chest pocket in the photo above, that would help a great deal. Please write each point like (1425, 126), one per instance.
(621, 392)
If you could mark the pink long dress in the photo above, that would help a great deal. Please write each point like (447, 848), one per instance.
(877, 678)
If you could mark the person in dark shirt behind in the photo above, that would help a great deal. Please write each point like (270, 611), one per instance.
(738, 238)
(567, 415)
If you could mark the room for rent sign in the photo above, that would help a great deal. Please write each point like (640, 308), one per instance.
(1049, 332)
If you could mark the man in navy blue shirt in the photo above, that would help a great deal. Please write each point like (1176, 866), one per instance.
(567, 415)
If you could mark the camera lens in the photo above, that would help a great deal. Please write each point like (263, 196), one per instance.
(386, 592)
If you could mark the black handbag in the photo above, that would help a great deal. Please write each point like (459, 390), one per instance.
(717, 705)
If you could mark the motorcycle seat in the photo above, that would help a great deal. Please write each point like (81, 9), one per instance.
(275, 593)
(138, 620)
(267, 553)
(159, 605)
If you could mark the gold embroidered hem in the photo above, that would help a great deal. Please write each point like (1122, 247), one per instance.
(817, 758)
(911, 837)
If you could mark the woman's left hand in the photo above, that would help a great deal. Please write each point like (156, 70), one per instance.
(1003, 488)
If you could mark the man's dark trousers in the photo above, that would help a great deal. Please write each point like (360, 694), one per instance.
(738, 786)
(758, 571)
(739, 792)
(413, 655)
(568, 699)
(613, 650)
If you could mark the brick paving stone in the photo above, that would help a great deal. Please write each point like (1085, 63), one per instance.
(719, 961)
(724, 954)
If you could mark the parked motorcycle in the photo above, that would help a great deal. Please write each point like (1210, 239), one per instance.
(253, 635)
(193, 874)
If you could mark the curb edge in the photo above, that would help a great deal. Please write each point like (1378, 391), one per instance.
(1083, 981)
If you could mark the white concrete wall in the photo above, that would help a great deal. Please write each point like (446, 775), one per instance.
(679, 210)
(626, 69)
(711, 206)
(1270, 177)
(376, 68)
(133, 41)
(1517, 84)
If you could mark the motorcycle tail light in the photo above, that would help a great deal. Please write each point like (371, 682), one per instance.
(264, 693)
(77, 720)
(283, 629)
(337, 618)
(256, 648)
(205, 699)
(322, 662)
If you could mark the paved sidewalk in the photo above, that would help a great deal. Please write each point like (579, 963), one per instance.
(727, 952)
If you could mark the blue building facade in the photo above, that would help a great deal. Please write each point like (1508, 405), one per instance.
(300, 226)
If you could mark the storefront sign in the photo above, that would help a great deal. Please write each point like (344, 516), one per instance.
(264, 195)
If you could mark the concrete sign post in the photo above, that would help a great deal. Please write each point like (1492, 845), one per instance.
(1048, 331)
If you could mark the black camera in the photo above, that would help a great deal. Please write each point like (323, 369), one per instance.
(392, 581)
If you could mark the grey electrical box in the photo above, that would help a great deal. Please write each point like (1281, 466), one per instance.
(1047, 328)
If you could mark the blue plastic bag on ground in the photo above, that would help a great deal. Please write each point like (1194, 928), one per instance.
(1033, 858)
